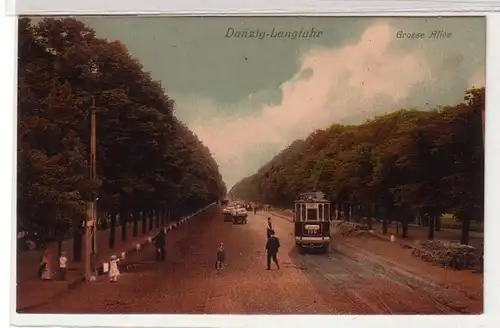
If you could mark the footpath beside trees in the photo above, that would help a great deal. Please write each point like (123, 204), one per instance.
(147, 160)
(395, 167)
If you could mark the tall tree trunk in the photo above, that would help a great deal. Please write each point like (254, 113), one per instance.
(158, 214)
(464, 238)
(150, 221)
(136, 223)
(59, 247)
(124, 219)
(143, 221)
(385, 220)
(357, 213)
(406, 216)
(112, 231)
(384, 225)
(77, 242)
(438, 223)
(432, 220)
(370, 214)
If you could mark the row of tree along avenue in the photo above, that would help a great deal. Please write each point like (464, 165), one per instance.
(395, 167)
(146, 160)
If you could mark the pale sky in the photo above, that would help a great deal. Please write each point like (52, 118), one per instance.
(247, 99)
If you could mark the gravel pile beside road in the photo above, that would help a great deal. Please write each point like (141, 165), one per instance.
(346, 228)
(446, 254)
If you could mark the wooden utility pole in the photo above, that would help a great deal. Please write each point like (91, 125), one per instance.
(90, 222)
(93, 176)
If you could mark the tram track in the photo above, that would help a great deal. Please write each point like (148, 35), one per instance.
(365, 296)
(380, 297)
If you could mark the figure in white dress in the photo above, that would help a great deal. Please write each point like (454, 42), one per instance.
(113, 269)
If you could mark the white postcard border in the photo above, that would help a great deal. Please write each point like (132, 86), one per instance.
(246, 7)
(492, 208)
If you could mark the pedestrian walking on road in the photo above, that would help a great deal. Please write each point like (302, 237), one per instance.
(114, 272)
(272, 248)
(269, 227)
(221, 258)
(45, 270)
(160, 245)
(63, 260)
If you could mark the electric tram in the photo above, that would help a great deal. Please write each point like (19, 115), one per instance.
(312, 221)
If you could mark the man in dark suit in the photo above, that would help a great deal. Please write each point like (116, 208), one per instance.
(272, 247)
(159, 241)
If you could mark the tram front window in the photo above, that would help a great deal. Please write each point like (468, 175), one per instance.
(312, 214)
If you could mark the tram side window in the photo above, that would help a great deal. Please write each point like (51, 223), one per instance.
(303, 213)
(320, 212)
(327, 212)
(297, 212)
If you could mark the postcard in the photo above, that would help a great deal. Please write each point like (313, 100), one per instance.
(250, 165)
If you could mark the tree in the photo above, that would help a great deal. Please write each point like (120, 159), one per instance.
(146, 158)
(395, 165)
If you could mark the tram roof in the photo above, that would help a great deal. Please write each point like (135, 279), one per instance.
(311, 197)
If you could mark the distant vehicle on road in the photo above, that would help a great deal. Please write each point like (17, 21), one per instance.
(240, 216)
(312, 221)
(227, 213)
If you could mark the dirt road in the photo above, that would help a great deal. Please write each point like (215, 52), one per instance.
(348, 280)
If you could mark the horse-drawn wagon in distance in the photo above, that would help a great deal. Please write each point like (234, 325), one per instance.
(312, 221)
(236, 213)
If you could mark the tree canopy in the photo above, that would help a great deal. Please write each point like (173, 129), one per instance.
(428, 161)
(146, 158)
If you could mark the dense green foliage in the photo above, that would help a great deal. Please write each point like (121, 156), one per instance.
(402, 164)
(146, 159)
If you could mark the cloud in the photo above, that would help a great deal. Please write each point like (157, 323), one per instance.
(331, 85)
(478, 79)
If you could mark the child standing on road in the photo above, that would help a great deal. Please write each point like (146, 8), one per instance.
(113, 269)
(45, 270)
(62, 266)
(221, 257)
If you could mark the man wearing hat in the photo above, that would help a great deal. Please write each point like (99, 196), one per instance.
(269, 227)
(272, 247)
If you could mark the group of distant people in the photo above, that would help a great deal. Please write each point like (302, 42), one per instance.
(45, 267)
(272, 248)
